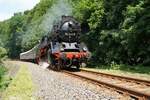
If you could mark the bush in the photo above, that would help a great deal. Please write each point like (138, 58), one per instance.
(4, 80)
(3, 53)
(119, 30)
(2, 71)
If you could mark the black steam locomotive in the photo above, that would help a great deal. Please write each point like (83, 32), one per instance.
(62, 47)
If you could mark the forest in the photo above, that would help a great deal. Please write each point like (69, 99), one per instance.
(115, 31)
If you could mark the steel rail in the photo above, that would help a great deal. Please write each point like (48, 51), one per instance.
(126, 91)
(147, 82)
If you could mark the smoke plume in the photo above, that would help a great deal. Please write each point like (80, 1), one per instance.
(62, 7)
(44, 24)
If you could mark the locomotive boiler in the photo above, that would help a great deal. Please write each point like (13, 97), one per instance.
(62, 47)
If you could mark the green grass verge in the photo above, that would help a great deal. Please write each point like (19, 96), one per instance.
(2, 72)
(125, 68)
(4, 80)
(21, 87)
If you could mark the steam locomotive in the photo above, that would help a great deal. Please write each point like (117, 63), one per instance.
(61, 48)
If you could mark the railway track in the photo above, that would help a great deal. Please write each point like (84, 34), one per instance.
(129, 87)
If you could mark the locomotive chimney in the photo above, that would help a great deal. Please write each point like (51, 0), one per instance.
(63, 17)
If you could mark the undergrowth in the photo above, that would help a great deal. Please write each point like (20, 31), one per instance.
(4, 80)
(21, 87)
(122, 67)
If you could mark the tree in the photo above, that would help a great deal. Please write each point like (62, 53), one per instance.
(3, 54)
(14, 44)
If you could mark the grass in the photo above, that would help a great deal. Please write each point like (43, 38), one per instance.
(126, 68)
(4, 80)
(2, 71)
(142, 72)
(21, 87)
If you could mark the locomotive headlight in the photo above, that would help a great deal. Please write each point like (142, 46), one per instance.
(66, 34)
(61, 49)
(84, 49)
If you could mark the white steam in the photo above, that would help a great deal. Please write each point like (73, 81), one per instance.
(61, 7)
(44, 24)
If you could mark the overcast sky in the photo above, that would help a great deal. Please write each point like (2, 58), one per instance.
(9, 7)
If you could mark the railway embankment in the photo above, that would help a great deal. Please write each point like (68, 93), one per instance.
(52, 85)
(34, 82)
(132, 88)
(21, 86)
(140, 72)
(30, 81)
(5, 79)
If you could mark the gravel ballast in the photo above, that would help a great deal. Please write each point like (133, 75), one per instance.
(51, 85)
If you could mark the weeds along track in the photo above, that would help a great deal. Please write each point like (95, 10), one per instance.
(129, 87)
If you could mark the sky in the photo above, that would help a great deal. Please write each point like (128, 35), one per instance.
(9, 7)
